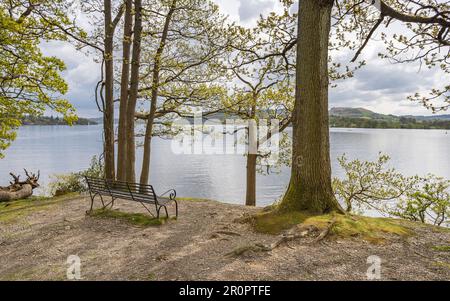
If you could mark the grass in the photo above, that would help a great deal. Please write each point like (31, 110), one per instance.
(441, 248)
(442, 264)
(370, 229)
(10, 211)
(138, 219)
(197, 200)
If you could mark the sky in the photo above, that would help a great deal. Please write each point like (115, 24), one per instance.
(379, 86)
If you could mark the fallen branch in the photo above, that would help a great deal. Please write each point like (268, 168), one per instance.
(19, 189)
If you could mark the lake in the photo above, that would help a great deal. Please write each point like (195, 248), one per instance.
(63, 149)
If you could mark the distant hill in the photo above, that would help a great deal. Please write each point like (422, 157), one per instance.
(365, 113)
(357, 113)
(50, 120)
(363, 118)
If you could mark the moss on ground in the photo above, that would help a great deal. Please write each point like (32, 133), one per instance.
(272, 222)
(441, 248)
(137, 219)
(10, 211)
(370, 229)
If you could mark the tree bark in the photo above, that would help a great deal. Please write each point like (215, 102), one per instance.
(122, 156)
(145, 171)
(108, 114)
(310, 185)
(250, 198)
(134, 85)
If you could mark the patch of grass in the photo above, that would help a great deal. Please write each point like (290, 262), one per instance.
(10, 211)
(441, 248)
(194, 200)
(369, 229)
(442, 264)
(137, 219)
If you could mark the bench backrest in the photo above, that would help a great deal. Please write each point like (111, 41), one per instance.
(119, 188)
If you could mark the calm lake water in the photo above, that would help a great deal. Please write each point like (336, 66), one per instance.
(61, 149)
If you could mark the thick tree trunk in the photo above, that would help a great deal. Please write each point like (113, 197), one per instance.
(145, 171)
(108, 114)
(122, 158)
(250, 198)
(134, 85)
(310, 185)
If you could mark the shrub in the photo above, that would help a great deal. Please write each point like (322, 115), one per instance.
(428, 201)
(74, 182)
(371, 185)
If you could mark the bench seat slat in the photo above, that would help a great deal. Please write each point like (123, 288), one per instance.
(128, 191)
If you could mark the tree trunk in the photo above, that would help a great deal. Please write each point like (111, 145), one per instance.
(250, 199)
(310, 185)
(145, 171)
(134, 85)
(122, 158)
(108, 114)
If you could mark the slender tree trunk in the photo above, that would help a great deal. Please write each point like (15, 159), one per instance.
(134, 86)
(250, 197)
(122, 156)
(145, 171)
(310, 185)
(108, 113)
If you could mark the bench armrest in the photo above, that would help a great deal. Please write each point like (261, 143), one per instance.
(172, 194)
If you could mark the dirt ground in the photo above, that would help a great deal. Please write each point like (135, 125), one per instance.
(36, 245)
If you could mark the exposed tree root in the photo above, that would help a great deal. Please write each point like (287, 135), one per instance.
(231, 233)
(326, 231)
(301, 233)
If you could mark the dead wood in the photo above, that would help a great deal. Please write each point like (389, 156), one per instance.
(19, 189)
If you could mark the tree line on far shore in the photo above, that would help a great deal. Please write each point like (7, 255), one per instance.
(395, 123)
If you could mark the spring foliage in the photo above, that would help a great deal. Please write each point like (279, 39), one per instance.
(30, 82)
(374, 186)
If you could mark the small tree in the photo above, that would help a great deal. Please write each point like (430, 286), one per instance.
(368, 184)
(427, 202)
(373, 186)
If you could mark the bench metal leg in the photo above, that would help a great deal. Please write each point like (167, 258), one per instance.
(103, 202)
(176, 208)
(159, 209)
(92, 200)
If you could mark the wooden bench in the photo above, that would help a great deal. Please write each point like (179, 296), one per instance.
(144, 194)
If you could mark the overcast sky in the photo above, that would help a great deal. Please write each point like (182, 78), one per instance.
(379, 86)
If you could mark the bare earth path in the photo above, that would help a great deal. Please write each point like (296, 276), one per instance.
(36, 245)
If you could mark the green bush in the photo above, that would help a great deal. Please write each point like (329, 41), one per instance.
(371, 185)
(75, 182)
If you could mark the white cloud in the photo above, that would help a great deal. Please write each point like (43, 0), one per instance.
(379, 86)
